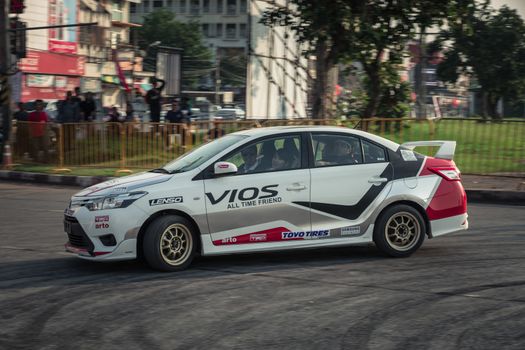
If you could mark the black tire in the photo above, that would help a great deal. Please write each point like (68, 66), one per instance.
(399, 231)
(178, 246)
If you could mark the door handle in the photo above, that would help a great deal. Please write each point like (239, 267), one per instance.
(377, 180)
(296, 187)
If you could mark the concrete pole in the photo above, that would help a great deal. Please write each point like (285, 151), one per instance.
(5, 60)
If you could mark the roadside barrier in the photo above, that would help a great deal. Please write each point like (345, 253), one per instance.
(482, 147)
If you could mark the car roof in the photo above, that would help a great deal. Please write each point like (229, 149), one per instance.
(258, 132)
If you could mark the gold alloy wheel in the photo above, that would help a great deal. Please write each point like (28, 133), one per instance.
(402, 231)
(175, 244)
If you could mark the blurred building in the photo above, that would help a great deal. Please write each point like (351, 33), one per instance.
(60, 59)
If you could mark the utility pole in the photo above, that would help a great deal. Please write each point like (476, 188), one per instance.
(421, 111)
(217, 77)
(5, 59)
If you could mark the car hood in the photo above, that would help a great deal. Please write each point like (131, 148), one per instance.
(124, 184)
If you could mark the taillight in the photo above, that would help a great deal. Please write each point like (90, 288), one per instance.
(449, 173)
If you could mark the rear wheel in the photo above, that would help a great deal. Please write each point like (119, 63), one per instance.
(169, 243)
(399, 231)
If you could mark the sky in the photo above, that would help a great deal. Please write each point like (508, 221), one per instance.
(515, 4)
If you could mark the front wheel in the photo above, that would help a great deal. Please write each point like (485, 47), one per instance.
(399, 231)
(169, 243)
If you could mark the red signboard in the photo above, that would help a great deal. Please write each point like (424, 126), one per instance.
(62, 46)
(52, 63)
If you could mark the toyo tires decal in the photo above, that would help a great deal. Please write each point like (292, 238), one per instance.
(278, 234)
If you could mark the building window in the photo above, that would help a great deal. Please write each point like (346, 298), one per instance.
(116, 13)
(219, 30)
(145, 6)
(242, 30)
(231, 7)
(132, 8)
(220, 6)
(206, 30)
(169, 4)
(206, 6)
(158, 4)
(182, 7)
(194, 7)
(231, 31)
(242, 8)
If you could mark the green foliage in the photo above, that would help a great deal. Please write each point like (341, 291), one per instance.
(489, 45)
(161, 25)
(363, 31)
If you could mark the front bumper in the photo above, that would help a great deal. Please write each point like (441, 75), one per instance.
(87, 233)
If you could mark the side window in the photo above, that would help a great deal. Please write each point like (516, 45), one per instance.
(282, 153)
(373, 153)
(332, 150)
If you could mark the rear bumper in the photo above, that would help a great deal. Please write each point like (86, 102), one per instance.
(448, 225)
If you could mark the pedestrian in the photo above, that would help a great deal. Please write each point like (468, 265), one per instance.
(176, 116)
(78, 97)
(88, 107)
(22, 145)
(215, 132)
(69, 111)
(139, 104)
(154, 99)
(38, 131)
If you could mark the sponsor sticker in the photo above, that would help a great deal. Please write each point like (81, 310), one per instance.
(119, 189)
(408, 155)
(166, 200)
(102, 218)
(350, 230)
(101, 222)
(258, 237)
(305, 234)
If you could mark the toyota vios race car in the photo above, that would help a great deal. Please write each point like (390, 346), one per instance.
(272, 189)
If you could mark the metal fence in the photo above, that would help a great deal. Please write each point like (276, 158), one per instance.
(482, 147)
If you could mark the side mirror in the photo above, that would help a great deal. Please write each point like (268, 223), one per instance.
(222, 168)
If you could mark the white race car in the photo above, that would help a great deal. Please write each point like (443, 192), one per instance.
(272, 189)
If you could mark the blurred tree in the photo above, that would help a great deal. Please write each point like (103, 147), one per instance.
(489, 45)
(367, 31)
(162, 26)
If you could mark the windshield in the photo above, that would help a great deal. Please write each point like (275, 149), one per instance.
(201, 154)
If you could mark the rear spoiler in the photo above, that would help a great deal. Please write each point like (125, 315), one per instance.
(446, 148)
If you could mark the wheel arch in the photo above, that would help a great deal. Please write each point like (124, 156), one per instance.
(414, 205)
(142, 231)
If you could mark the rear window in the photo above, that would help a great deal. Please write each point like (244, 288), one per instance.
(373, 153)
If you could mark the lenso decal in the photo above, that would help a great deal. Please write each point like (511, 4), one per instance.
(350, 230)
(166, 200)
(247, 197)
(305, 234)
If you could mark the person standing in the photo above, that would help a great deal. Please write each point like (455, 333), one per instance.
(69, 111)
(88, 107)
(154, 99)
(38, 131)
(78, 97)
(22, 131)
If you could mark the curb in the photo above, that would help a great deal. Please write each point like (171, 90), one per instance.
(52, 179)
(495, 197)
(473, 196)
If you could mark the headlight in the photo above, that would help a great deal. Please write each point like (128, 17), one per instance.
(112, 202)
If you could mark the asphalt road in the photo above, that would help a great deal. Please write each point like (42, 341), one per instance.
(464, 290)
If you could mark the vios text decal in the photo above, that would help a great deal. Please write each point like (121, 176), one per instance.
(247, 197)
